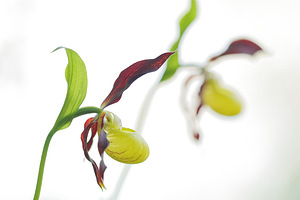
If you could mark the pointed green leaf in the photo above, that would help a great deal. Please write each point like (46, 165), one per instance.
(188, 18)
(173, 63)
(76, 78)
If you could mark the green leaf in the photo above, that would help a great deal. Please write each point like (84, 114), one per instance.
(77, 86)
(173, 63)
(76, 78)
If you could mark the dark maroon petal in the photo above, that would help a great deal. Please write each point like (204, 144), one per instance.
(87, 126)
(130, 74)
(189, 109)
(198, 108)
(97, 174)
(103, 143)
(102, 169)
(200, 99)
(94, 131)
(242, 46)
(185, 88)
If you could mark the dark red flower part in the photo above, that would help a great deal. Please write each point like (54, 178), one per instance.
(130, 74)
(93, 130)
(103, 143)
(92, 124)
(200, 99)
(196, 136)
(189, 109)
(241, 46)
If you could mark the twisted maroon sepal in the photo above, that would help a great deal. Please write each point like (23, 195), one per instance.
(130, 74)
(192, 110)
(92, 124)
(241, 46)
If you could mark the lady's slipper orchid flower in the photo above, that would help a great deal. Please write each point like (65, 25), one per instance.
(220, 99)
(212, 93)
(126, 145)
(122, 144)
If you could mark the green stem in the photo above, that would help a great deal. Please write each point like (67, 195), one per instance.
(145, 108)
(81, 111)
(42, 165)
(87, 110)
(120, 182)
(191, 65)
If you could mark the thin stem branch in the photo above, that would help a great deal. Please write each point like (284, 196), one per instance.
(42, 165)
(81, 111)
(87, 110)
(120, 182)
(193, 66)
(145, 108)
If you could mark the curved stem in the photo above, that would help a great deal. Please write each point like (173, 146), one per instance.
(87, 110)
(192, 65)
(145, 108)
(42, 165)
(120, 182)
(81, 111)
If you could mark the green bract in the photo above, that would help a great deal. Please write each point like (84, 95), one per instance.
(77, 86)
(173, 63)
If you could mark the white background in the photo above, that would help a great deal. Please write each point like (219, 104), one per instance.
(254, 156)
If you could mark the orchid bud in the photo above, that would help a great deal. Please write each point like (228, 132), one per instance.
(125, 145)
(220, 99)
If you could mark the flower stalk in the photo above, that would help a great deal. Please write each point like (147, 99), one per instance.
(42, 165)
(81, 111)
